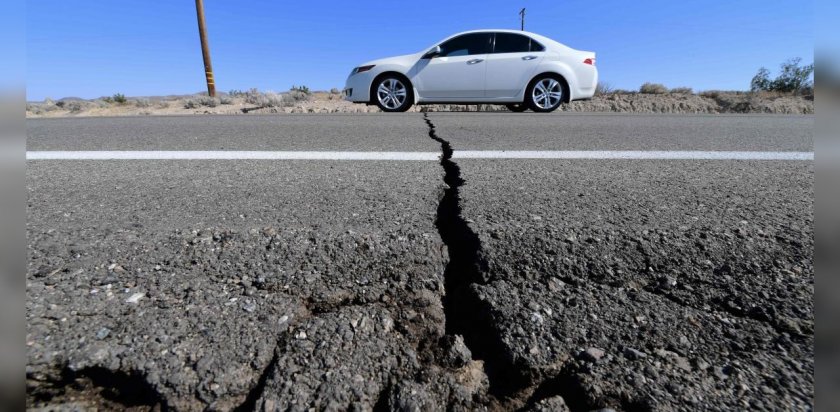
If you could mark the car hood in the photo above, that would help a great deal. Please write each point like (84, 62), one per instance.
(404, 60)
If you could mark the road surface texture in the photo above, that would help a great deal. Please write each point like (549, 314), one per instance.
(462, 284)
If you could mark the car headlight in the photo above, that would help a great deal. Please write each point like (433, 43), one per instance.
(362, 69)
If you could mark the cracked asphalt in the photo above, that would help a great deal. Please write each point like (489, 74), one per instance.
(419, 285)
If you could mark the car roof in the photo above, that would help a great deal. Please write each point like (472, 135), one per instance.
(542, 39)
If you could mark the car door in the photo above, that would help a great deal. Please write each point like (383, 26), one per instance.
(459, 70)
(511, 64)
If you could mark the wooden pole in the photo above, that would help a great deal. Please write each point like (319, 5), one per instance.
(205, 48)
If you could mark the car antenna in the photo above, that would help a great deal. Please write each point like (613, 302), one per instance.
(522, 19)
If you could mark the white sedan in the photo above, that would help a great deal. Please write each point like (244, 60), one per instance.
(519, 69)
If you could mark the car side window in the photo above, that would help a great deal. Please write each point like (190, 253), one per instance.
(512, 43)
(536, 47)
(468, 44)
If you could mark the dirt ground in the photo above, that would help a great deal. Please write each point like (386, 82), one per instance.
(332, 102)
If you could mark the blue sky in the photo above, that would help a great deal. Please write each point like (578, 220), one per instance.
(140, 47)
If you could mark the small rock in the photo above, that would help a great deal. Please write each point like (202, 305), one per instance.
(592, 354)
(634, 354)
(682, 363)
(103, 333)
(135, 297)
(249, 306)
(455, 352)
(552, 404)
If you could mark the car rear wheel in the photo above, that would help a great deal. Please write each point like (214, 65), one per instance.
(517, 108)
(545, 94)
(392, 94)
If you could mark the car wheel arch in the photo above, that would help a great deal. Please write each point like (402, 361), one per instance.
(408, 84)
(567, 97)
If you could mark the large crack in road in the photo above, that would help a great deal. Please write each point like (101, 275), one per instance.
(511, 385)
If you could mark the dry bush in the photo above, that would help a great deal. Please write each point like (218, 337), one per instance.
(75, 106)
(603, 88)
(682, 90)
(711, 94)
(653, 88)
(224, 99)
(201, 101)
(335, 91)
(267, 99)
(142, 103)
(295, 96)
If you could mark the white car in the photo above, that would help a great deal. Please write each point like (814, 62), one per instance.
(519, 69)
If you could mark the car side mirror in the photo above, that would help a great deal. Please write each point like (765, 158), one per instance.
(434, 52)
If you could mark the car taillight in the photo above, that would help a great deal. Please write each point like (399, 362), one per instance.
(361, 69)
(589, 61)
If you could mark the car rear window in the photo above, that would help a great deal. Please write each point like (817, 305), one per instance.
(512, 43)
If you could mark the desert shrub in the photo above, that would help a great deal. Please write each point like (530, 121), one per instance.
(201, 101)
(761, 81)
(163, 104)
(792, 78)
(302, 89)
(101, 103)
(237, 93)
(710, 94)
(142, 103)
(653, 88)
(295, 96)
(682, 90)
(225, 99)
(267, 99)
(75, 106)
(335, 91)
(119, 98)
(603, 88)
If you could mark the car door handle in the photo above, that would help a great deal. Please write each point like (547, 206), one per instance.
(529, 57)
(475, 61)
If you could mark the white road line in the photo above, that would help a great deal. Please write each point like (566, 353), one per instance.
(630, 154)
(228, 155)
(458, 154)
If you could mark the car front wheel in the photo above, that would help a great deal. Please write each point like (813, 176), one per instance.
(392, 94)
(545, 94)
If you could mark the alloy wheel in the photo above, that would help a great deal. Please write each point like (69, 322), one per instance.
(547, 94)
(391, 93)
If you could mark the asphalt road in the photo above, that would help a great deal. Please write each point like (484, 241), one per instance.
(463, 284)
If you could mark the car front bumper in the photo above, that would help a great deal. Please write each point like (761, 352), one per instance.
(357, 87)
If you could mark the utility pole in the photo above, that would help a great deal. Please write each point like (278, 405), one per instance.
(205, 48)
(522, 19)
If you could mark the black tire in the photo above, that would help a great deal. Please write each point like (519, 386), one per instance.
(397, 95)
(549, 86)
(517, 107)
